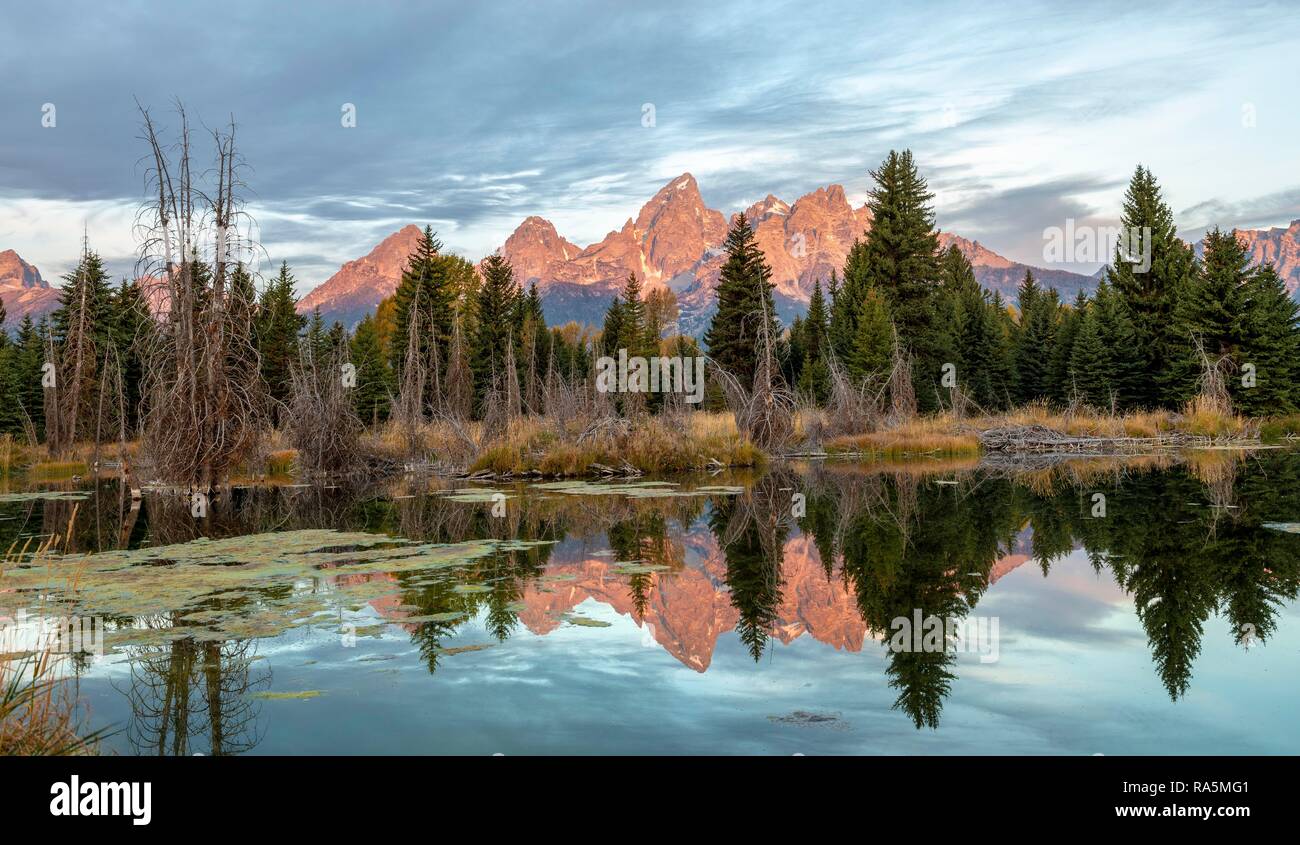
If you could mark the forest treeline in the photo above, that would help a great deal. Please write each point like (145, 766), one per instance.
(462, 340)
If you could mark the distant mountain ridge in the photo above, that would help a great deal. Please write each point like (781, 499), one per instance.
(675, 241)
(23, 291)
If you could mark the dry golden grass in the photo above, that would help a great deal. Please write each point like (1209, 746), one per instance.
(938, 436)
(944, 434)
(648, 444)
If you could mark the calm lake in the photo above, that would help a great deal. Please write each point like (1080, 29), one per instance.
(1096, 607)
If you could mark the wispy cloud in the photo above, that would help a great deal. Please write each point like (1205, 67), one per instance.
(470, 117)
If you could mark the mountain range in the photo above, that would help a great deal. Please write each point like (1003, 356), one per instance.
(675, 241)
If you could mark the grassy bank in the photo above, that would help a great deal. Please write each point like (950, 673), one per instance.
(945, 435)
(690, 441)
(646, 444)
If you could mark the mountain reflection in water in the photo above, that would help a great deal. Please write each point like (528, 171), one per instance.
(829, 552)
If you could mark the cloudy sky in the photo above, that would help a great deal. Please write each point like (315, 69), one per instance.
(471, 116)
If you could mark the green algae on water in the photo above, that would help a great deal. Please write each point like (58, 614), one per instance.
(250, 586)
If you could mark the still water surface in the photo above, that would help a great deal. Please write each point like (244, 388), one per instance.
(736, 614)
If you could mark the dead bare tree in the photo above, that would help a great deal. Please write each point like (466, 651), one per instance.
(1212, 386)
(111, 405)
(460, 381)
(902, 394)
(408, 410)
(323, 426)
(204, 403)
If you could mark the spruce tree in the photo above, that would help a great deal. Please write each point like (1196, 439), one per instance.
(10, 420)
(1089, 362)
(28, 357)
(1209, 313)
(847, 299)
(83, 335)
(977, 347)
(371, 396)
(633, 331)
(1151, 294)
(427, 284)
(278, 326)
(744, 297)
(901, 256)
(794, 358)
(1061, 372)
(316, 344)
(131, 327)
(873, 347)
(496, 309)
(1119, 340)
(815, 378)
(1034, 340)
(1271, 344)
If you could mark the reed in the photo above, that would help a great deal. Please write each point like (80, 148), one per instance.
(38, 710)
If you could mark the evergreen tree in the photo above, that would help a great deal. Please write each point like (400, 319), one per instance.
(426, 284)
(901, 262)
(634, 333)
(815, 378)
(847, 299)
(1152, 293)
(1089, 362)
(496, 309)
(277, 328)
(1061, 372)
(1125, 372)
(10, 419)
(131, 326)
(1209, 312)
(794, 359)
(1271, 343)
(977, 335)
(1034, 340)
(28, 356)
(611, 332)
(744, 301)
(371, 398)
(87, 286)
(316, 342)
(873, 347)
(83, 335)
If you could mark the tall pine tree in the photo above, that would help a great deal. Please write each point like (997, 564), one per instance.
(1151, 272)
(496, 310)
(901, 257)
(744, 301)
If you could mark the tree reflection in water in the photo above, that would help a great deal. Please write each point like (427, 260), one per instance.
(1184, 536)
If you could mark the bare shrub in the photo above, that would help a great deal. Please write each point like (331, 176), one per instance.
(1212, 394)
(902, 394)
(322, 424)
(764, 412)
(853, 407)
